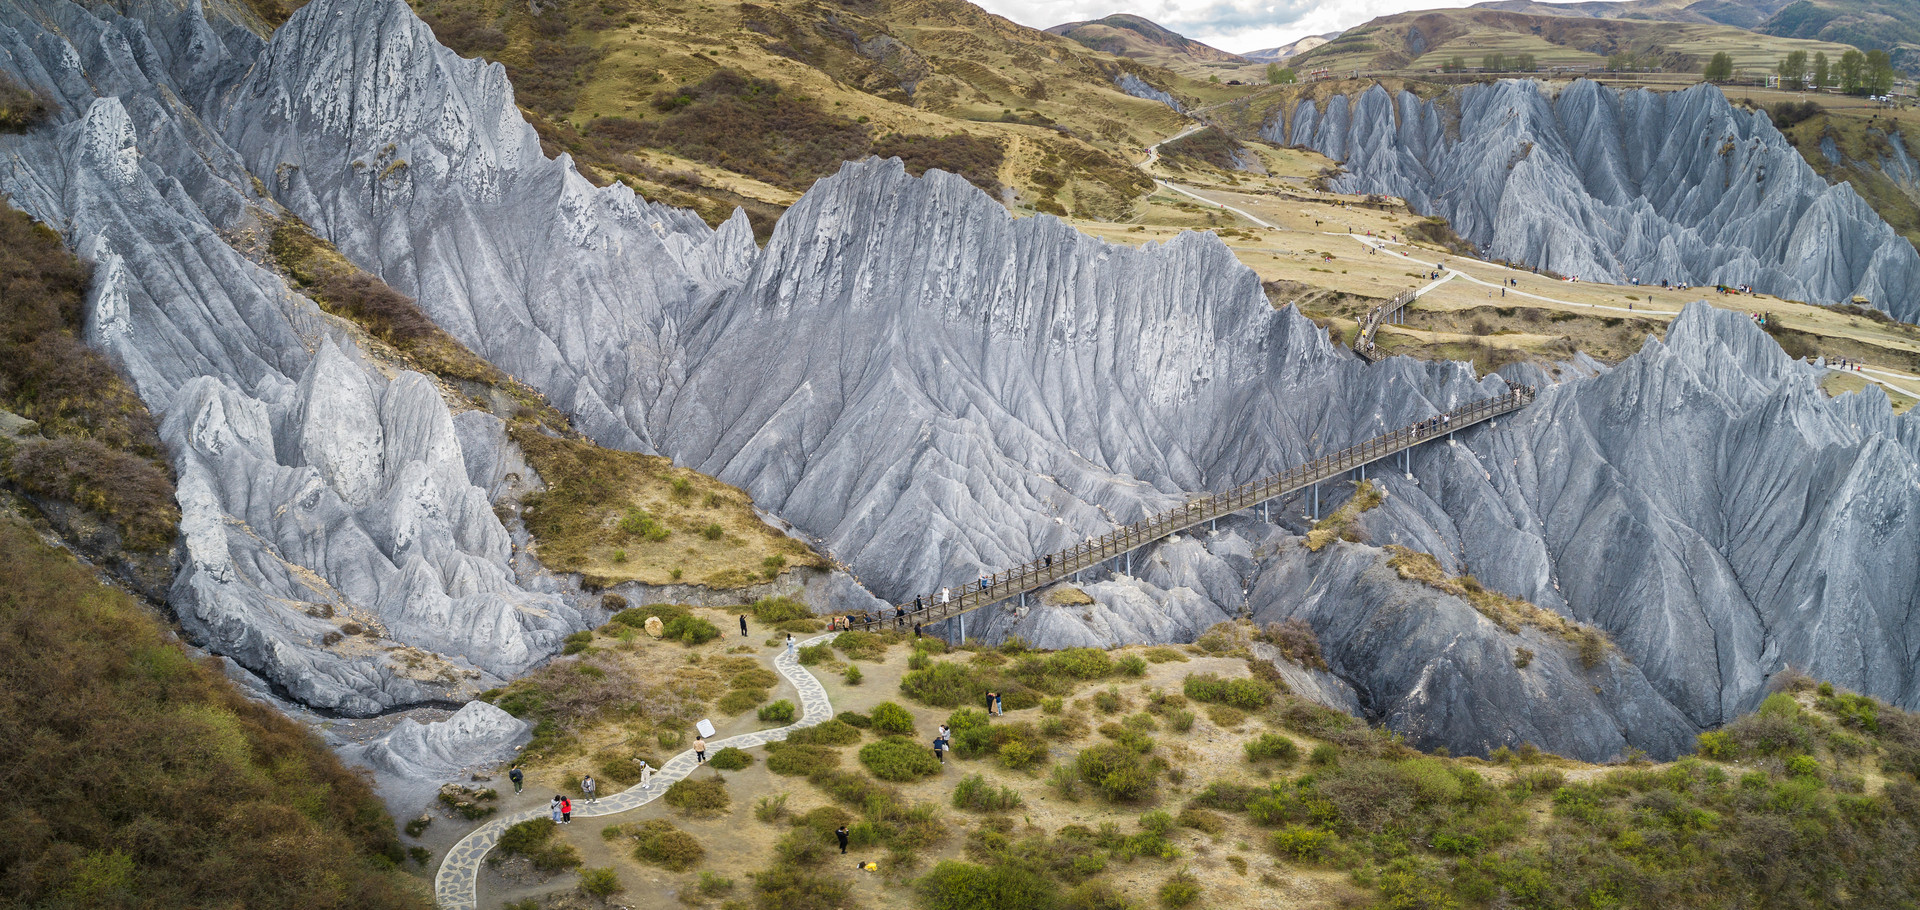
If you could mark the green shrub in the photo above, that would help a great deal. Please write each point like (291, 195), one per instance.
(889, 717)
(637, 523)
(1109, 701)
(1324, 754)
(1116, 772)
(636, 617)
(1803, 766)
(713, 885)
(854, 719)
(772, 610)
(1095, 896)
(578, 642)
(470, 804)
(1273, 747)
(1131, 665)
(973, 792)
(1180, 721)
(1162, 654)
(657, 841)
(699, 796)
(1179, 890)
(964, 886)
(1202, 820)
(418, 826)
(1081, 663)
(1296, 842)
(770, 809)
(864, 645)
(690, 630)
(815, 654)
(853, 676)
(1065, 781)
(834, 732)
(730, 759)
(798, 760)
(898, 758)
(533, 839)
(600, 883)
(1244, 694)
(779, 712)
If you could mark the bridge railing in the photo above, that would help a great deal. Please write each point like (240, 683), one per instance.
(1052, 567)
(1375, 318)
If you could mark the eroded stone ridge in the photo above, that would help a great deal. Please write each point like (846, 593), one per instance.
(1607, 184)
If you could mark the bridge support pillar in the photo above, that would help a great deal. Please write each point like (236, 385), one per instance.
(1363, 472)
(1129, 563)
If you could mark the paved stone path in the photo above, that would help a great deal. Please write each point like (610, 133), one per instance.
(456, 885)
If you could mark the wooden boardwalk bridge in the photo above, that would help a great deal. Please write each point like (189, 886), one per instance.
(1390, 313)
(1121, 542)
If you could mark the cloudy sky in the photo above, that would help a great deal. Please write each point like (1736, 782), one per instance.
(1231, 25)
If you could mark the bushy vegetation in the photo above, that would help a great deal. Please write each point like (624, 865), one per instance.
(835, 732)
(898, 758)
(1019, 745)
(748, 125)
(887, 717)
(102, 450)
(964, 886)
(565, 698)
(534, 839)
(1245, 694)
(730, 759)
(697, 796)
(1021, 681)
(140, 777)
(779, 712)
(800, 760)
(974, 793)
(1776, 812)
(1117, 771)
(975, 158)
(659, 842)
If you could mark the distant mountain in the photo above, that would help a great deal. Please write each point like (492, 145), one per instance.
(1889, 25)
(1277, 54)
(1737, 13)
(1141, 39)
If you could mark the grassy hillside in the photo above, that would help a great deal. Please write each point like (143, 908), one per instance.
(1860, 133)
(1889, 25)
(1424, 40)
(140, 778)
(1153, 44)
(747, 103)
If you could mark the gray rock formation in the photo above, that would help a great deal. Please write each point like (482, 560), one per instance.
(1607, 185)
(412, 760)
(318, 491)
(1141, 88)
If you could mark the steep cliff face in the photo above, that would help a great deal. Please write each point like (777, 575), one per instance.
(332, 540)
(1609, 185)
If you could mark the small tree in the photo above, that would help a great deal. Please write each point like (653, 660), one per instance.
(1793, 69)
(1457, 64)
(1720, 67)
(1280, 75)
(1853, 72)
(1493, 63)
(1822, 71)
(1879, 73)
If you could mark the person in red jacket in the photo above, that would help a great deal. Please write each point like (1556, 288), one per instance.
(566, 811)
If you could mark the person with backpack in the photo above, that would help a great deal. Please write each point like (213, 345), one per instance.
(514, 774)
(940, 749)
(587, 787)
(553, 808)
(566, 811)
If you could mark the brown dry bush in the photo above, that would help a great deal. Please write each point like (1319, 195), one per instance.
(21, 108)
(972, 157)
(750, 126)
(1297, 642)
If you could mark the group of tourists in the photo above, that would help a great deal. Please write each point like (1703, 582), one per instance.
(1844, 363)
(1440, 422)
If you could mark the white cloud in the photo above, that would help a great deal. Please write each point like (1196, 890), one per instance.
(1231, 25)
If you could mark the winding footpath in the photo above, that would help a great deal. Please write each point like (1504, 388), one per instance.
(456, 885)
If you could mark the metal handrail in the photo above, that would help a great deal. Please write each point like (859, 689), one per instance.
(1376, 317)
(1039, 573)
